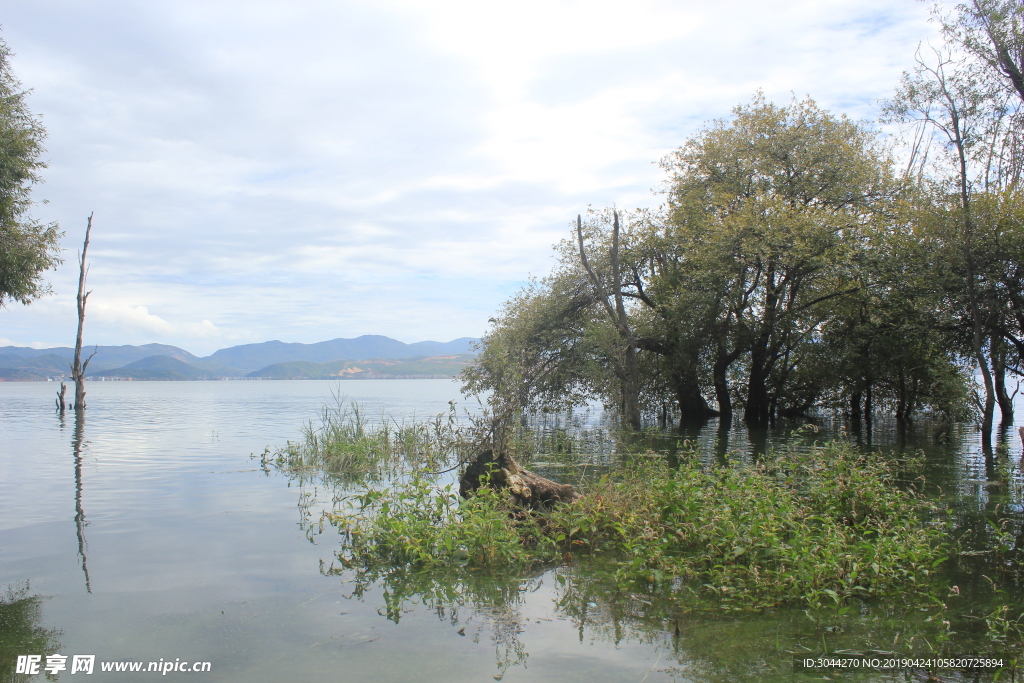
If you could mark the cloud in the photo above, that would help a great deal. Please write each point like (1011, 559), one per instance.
(137, 319)
(325, 169)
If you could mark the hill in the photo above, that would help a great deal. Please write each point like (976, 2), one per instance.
(251, 357)
(438, 366)
(158, 367)
(335, 358)
(106, 358)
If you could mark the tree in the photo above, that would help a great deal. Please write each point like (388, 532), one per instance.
(966, 115)
(78, 367)
(779, 200)
(27, 247)
(993, 31)
(608, 290)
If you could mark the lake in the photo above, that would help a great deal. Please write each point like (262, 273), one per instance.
(150, 533)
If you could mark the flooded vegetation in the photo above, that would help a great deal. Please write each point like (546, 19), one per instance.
(227, 533)
(731, 561)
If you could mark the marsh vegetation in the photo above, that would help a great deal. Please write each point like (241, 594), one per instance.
(839, 547)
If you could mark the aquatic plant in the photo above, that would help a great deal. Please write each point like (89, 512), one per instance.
(344, 445)
(817, 528)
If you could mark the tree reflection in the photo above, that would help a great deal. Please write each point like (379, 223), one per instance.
(20, 631)
(696, 641)
(486, 605)
(77, 439)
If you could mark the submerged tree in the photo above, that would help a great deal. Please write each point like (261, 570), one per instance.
(968, 123)
(781, 200)
(782, 275)
(27, 248)
(78, 367)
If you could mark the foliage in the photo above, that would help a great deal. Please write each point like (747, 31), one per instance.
(21, 632)
(787, 244)
(27, 248)
(992, 31)
(816, 528)
(783, 200)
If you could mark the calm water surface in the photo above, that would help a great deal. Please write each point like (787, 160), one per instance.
(188, 550)
(149, 532)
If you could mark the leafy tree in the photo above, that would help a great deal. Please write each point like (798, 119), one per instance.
(608, 291)
(993, 31)
(27, 247)
(967, 148)
(538, 351)
(779, 198)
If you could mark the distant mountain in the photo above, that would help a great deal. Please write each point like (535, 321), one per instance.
(161, 361)
(40, 367)
(107, 357)
(255, 356)
(157, 367)
(438, 366)
(168, 367)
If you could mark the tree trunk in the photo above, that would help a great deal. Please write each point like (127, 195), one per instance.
(720, 377)
(869, 411)
(758, 409)
(78, 367)
(527, 490)
(629, 373)
(693, 408)
(1003, 398)
(855, 407)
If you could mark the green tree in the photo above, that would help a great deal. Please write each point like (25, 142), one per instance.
(538, 352)
(967, 146)
(780, 198)
(27, 247)
(992, 31)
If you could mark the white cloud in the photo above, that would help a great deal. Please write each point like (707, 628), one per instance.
(137, 319)
(321, 169)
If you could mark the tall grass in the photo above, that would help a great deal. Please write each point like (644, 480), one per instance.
(345, 446)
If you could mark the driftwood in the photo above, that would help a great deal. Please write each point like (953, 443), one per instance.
(526, 488)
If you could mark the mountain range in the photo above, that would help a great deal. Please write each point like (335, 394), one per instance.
(272, 359)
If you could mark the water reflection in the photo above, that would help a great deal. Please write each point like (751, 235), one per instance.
(485, 606)
(701, 645)
(77, 442)
(982, 493)
(21, 632)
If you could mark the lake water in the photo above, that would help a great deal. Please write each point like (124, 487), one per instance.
(149, 533)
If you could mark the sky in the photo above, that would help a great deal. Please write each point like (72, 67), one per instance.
(311, 170)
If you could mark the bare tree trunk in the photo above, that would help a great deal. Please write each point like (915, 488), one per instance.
(78, 367)
(525, 488)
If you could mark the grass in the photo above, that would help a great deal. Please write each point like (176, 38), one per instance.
(344, 446)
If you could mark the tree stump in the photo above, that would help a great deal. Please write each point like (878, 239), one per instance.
(527, 489)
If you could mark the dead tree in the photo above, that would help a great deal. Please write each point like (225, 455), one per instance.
(78, 367)
(527, 490)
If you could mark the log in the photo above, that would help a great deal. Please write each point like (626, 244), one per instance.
(526, 488)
